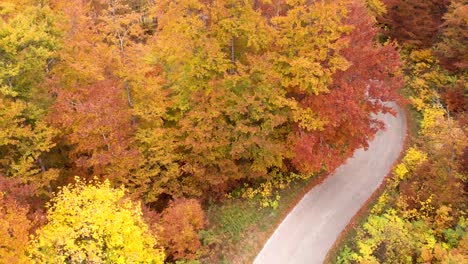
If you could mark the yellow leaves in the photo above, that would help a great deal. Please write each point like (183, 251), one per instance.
(309, 47)
(376, 7)
(413, 158)
(426, 208)
(28, 39)
(295, 2)
(424, 78)
(388, 229)
(381, 203)
(339, 64)
(6, 8)
(422, 59)
(21, 143)
(401, 171)
(431, 117)
(305, 117)
(266, 192)
(308, 120)
(304, 74)
(443, 218)
(94, 223)
(240, 21)
(445, 138)
(418, 103)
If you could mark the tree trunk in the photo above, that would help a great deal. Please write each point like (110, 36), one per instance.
(233, 58)
(129, 95)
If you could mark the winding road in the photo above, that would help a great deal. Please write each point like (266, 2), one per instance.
(308, 232)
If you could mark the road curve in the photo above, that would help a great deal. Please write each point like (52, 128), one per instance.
(306, 235)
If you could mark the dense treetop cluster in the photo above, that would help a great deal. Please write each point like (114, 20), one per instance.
(158, 106)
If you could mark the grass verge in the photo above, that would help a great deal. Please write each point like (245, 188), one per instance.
(239, 228)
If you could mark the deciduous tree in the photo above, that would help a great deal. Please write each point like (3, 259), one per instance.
(452, 48)
(355, 95)
(14, 229)
(29, 39)
(414, 22)
(180, 222)
(96, 124)
(94, 223)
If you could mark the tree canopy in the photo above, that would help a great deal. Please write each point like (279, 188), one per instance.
(94, 223)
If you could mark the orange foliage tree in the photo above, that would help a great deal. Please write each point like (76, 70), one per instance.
(181, 221)
(452, 48)
(95, 122)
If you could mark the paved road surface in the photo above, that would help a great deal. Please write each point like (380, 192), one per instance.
(311, 228)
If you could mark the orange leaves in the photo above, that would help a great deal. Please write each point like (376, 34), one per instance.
(451, 50)
(239, 88)
(19, 216)
(14, 231)
(217, 92)
(97, 124)
(205, 97)
(181, 221)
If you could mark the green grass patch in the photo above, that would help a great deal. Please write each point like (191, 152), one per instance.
(234, 218)
(238, 228)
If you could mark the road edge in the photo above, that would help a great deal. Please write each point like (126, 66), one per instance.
(365, 209)
(317, 181)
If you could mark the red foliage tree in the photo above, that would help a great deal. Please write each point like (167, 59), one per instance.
(354, 96)
(454, 98)
(414, 22)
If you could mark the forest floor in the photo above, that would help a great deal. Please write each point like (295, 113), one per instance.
(309, 231)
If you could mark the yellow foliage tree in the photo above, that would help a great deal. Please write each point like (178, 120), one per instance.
(29, 40)
(412, 159)
(424, 78)
(94, 224)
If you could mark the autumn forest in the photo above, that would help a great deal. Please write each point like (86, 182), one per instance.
(123, 123)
